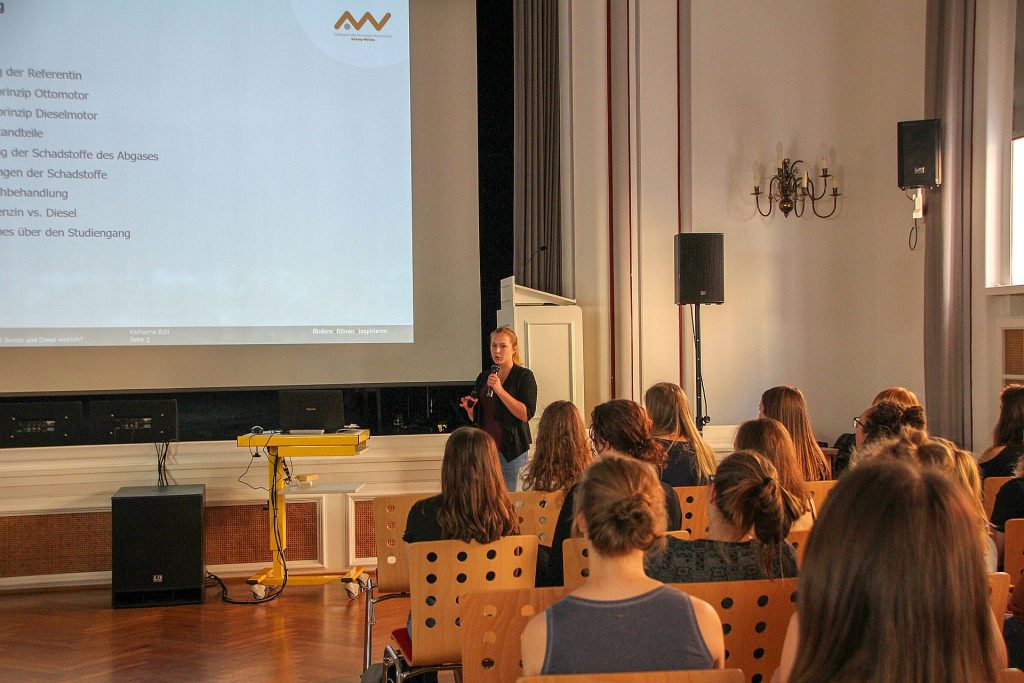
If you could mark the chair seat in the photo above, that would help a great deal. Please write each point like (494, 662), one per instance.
(401, 637)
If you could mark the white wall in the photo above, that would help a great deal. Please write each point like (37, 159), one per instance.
(832, 306)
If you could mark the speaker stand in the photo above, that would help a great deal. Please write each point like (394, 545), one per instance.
(698, 384)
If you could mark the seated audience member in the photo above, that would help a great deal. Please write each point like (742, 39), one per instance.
(787, 405)
(691, 461)
(561, 452)
(620, 619)
(1009, 505)
(1000, 460)
(473, 504)
(966, 472)
(771, 439)
(617, 427)
(893, 585)
(846, 442)
(885, 420)
(749, 517)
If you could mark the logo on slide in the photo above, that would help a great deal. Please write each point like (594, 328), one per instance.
(350, 22)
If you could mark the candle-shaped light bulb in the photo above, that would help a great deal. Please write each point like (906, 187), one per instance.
(824, 162)
(803, 181)
(778, 155)
(757, 179)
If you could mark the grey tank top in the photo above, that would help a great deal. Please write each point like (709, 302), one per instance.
(656, 631)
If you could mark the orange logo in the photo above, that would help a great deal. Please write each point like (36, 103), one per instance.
(347, 18)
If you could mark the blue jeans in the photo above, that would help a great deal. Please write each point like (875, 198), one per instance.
(510, 469)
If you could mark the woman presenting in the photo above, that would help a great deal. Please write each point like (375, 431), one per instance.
(504, 402)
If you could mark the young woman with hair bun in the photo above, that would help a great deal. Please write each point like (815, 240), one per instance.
(885, 420)
(1000, 460)
(787, 405)
(749, 517)
(771, 439)
(561, 453)
(691, 461)
(617, 427)
(620, 619)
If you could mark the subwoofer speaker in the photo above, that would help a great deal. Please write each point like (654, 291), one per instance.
(157, 545)
(920, 163)
(700, 268)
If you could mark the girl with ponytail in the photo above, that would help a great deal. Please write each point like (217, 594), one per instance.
(620, 619)
(617, 427)
(749, 516)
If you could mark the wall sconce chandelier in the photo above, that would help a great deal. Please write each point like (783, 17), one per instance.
(790, 189)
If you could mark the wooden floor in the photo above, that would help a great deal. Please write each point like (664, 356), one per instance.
(312, 633)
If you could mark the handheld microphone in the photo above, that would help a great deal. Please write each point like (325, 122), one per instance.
(490, 390)
(536, 251)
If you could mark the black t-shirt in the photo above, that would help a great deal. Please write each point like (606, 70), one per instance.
(422, 525)
(681, 466)
(1003, 464)
(1009, 504)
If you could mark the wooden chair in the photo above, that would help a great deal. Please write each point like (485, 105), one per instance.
(390, 514)
(1013, 549)
(538, 512)
(576, 558)
(706, 676)
(693, 500)
(799, 541)
(494, 621)
(441, 572)
(989, 491)
(998, 594)
(819, 492)
(755, 615)
(1010, 676)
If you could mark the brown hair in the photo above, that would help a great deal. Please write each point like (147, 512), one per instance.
(623, 505)
(905, 397)
(910, 445)
(886, 419)
(624, 425)
(770, 438)
(877, 598)
(966, 471)
(474, 503)
(514, 338)
(561, 453)
(787, 405)
(749, 496)
(670, 415)
(1009, 430)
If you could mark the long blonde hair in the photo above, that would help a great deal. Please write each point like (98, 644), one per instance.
(670, 413)
(474, 503)
(787, 405)
(562, 451)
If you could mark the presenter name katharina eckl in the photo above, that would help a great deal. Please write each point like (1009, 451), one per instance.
(503, 403)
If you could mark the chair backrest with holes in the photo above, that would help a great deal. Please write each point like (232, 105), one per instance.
(706, 676)
(442, 571)
(575, 562)
(819, 492)
(990, 489)
(493, 621)
(798, 539)
(693, 500)
(390, 513)
(998, 594)
(538, 512)
(755, 615)
(1013, 549)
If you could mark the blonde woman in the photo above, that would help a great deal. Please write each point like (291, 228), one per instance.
(503, 403)
(691, 461)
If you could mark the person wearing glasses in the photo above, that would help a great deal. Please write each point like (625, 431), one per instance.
(847, 442)
(617, 427)
(885, 420)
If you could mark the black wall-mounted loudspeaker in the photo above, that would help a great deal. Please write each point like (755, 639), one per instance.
(700, 268)
(920, 161)
(157, 546)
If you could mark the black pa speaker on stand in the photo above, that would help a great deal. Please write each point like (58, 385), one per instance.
(918, 149)
(700, 279)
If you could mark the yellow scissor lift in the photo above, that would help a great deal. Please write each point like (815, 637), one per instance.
(280, 447)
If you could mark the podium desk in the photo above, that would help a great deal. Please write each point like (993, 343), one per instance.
(279, 447)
